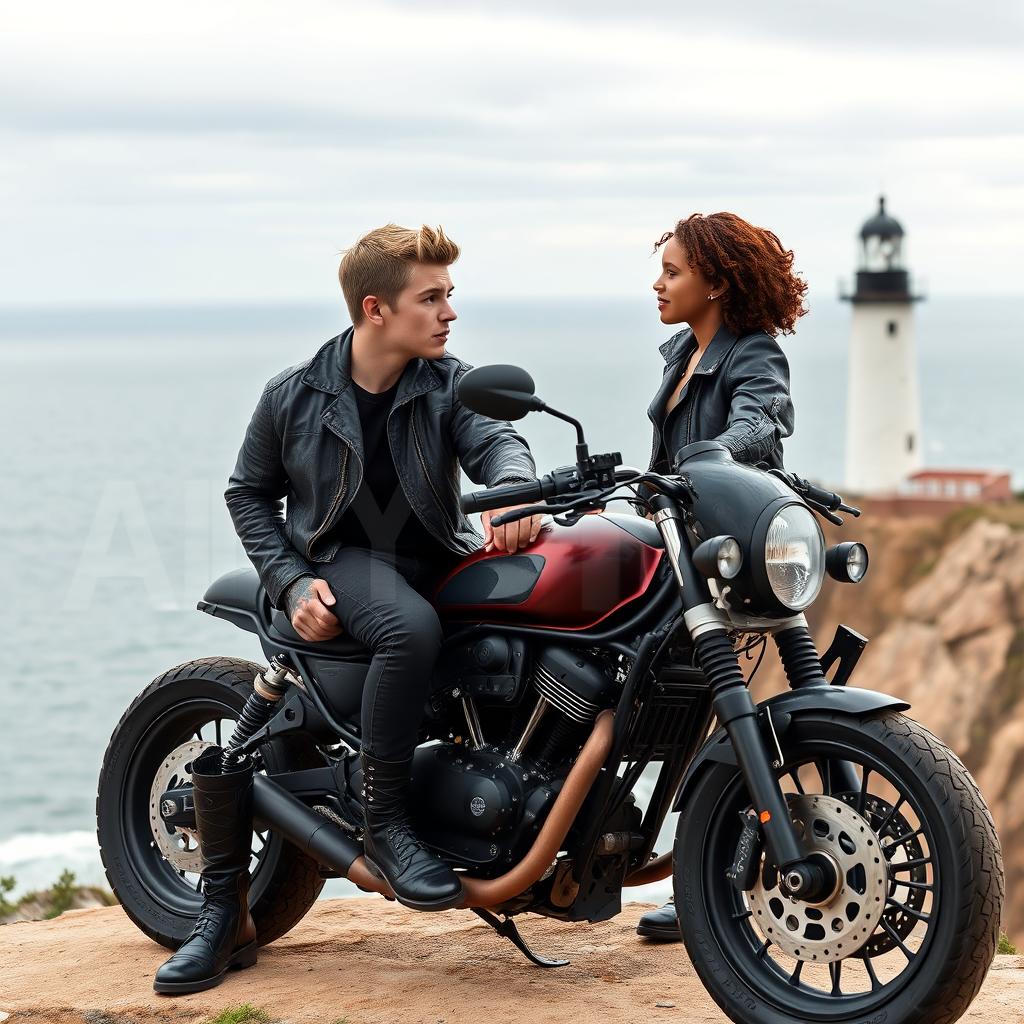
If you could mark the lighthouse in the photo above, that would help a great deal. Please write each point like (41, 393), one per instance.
(883, 419)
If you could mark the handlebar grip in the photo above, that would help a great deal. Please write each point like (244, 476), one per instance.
(499, 497)
(829, 499)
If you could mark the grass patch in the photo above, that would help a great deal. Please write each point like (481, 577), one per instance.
(244, 1014)
(1004, 945)
(1010, 512)
(7, 883)
(52, 902)
(62, 894)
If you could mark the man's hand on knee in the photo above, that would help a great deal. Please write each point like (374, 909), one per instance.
(307, 602)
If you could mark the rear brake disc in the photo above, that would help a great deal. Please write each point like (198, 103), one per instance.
(179, 846)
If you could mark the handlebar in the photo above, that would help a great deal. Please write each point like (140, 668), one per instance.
(829, 500)
(566, 486)
(565, 480)
(498, 497)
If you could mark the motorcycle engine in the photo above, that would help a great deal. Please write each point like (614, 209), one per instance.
(482, 807)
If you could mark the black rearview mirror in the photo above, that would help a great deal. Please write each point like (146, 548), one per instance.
(500, 391)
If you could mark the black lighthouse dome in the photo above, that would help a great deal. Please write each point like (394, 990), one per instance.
(881, 275)
(881, 225)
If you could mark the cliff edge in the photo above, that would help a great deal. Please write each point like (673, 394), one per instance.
(943, 608)
(366, 961)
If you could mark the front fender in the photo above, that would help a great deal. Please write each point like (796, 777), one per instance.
(848, 700)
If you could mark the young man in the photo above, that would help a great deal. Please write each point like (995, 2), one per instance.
(365, 440)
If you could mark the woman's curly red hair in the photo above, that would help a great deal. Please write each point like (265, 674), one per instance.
(763, 294)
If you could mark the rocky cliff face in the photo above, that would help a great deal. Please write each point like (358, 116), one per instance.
(943, 604)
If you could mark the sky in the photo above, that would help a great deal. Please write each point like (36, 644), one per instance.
(227, 152)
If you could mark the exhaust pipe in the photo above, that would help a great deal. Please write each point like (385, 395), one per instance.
(310, 832)
(653, 871)
(489, 892)
(328, 844)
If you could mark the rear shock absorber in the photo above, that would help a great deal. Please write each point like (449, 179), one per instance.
(268, 688)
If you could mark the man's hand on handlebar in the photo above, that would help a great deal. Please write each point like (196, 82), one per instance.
(509, 537)
(307, 603)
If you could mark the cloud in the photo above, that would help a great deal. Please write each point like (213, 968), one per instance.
(238, 147)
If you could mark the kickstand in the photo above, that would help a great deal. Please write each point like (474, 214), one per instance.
(507, 930)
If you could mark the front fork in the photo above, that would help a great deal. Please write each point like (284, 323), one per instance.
(736, 710)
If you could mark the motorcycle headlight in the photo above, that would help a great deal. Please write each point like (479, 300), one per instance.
(720, 557)
(794, 556)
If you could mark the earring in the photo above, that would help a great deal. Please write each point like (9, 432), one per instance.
(711, 297)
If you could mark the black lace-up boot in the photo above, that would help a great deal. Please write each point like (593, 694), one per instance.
(224, 934)
(419, 878)
(661, 924)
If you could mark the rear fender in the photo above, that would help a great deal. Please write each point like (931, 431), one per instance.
(845, 700)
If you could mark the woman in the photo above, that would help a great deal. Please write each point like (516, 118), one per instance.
(726, 378)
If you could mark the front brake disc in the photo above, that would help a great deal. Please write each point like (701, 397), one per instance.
(839, 925)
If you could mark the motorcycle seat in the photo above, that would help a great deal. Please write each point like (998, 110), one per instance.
(239, 597)
(343, 646)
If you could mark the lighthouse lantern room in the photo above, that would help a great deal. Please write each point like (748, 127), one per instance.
(883, 432)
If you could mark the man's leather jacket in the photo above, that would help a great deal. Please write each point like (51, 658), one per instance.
(305, 444)
(738, 394)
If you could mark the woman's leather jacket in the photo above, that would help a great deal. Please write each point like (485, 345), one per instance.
(738, 394)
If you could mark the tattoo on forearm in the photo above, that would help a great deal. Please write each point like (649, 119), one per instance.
(301, 589)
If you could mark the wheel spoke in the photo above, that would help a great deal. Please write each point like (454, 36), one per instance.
(217, 732)
(796, 779)
(909, 865)
(875, 983)
(794, 978)
(891, 932)
(887, 820)
(862, 796)
(763, 951)
(199, 884)
(927, 886)
(824, 767)
(916, 914)
(835, 970)
(896, 843)
(742, 915)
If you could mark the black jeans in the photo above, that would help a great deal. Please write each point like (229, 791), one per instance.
(382, 600)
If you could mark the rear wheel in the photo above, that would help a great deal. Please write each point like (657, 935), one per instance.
(154, 870)
(910, 928)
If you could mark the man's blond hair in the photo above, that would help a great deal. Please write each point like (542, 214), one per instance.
(381, 261)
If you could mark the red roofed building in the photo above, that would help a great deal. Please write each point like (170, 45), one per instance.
(959, 485)
(944, 490)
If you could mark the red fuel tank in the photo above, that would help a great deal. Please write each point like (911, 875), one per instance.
(570, 577)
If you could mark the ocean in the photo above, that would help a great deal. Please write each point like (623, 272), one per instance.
(120, 428)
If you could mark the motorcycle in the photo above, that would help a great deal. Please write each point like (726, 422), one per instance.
(833, 860)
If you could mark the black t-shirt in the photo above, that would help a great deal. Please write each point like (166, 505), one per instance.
(380, 517)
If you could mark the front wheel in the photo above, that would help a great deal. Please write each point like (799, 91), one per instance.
(910, 928)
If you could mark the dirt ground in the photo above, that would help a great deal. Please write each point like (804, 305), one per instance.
(367, 960)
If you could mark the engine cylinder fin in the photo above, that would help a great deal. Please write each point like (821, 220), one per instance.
(569, 703)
